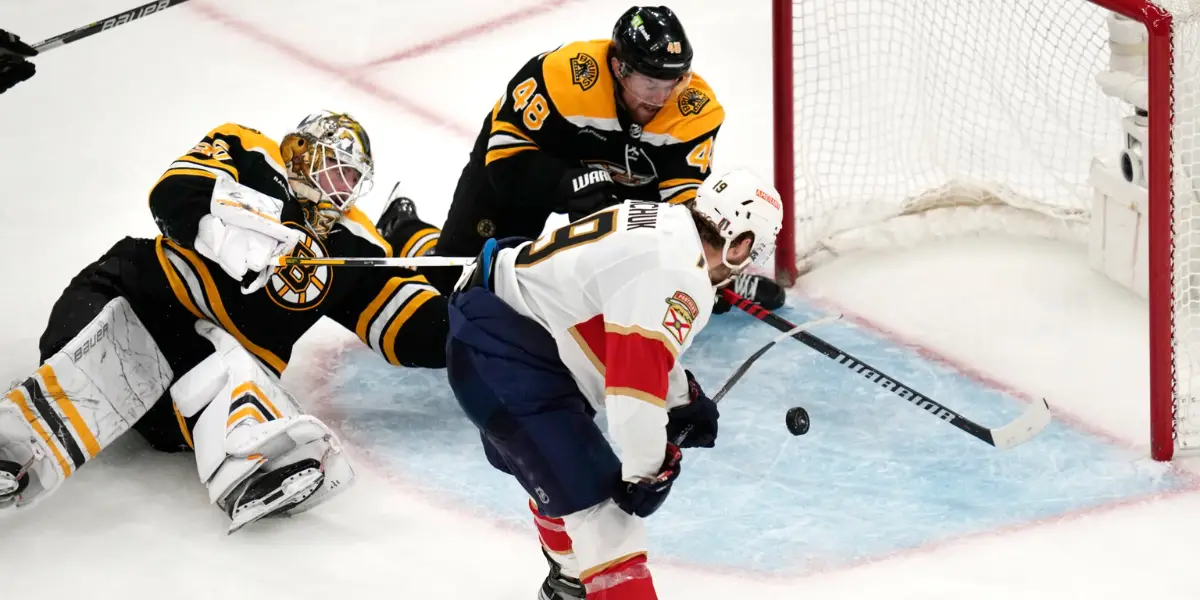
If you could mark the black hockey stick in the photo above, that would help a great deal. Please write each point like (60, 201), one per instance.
(116, 20)
(1020, 430)
(745, 366)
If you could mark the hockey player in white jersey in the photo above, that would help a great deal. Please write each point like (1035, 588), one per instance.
(594, 316)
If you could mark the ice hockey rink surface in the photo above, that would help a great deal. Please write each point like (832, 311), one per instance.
(878, 500)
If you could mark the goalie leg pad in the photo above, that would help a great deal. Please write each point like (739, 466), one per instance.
(82, 398)
(250, 429)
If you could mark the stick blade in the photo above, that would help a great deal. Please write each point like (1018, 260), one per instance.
(1023, 428)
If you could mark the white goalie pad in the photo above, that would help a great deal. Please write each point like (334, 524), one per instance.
(250, 426)
(82, 399)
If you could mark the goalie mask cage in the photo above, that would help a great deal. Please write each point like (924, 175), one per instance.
(989, 112)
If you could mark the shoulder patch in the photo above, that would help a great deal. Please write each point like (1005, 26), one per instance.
(693, 113)
(585, 71)
(692, 101)
(578, 85)
(681, 313)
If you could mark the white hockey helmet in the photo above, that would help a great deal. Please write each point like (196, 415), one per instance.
(739, 201)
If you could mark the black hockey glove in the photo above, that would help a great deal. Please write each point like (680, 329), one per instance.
(700, 414)
(13, 67)
(756, 288)
(582, 192)
(641, 499)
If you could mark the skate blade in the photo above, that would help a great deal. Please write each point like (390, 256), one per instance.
(297, 488)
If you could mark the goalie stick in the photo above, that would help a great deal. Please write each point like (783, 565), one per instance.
(1019, 431)
(394, 261)
(745, 366)
(116, 20)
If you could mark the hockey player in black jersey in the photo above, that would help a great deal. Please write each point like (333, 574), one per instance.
(182, 338)
(579, 128)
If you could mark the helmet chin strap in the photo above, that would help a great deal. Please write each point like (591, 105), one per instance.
(725, 258)
(734, 270)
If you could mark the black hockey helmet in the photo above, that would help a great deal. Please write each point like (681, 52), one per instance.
(650, 40)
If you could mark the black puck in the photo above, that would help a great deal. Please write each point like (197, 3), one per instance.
(797, 420)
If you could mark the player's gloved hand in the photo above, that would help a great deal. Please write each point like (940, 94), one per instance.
(243, 234)
(700, 415)
(582, 192)
(756, 288)
(13, 67)
(644, 497)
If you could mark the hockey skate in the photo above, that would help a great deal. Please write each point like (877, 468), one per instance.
(14, 478)
(757, 288)
(399, 210)
(272, 493)
(558, 586)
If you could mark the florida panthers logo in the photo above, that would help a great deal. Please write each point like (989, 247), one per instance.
(681, 313)
(692, 101)
(301, 287)
(585, 71)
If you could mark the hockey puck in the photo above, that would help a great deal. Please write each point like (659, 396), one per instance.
(797, 420)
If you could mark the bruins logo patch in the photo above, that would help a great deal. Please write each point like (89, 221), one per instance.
(692, 101)
(585, 71)
(302, 287)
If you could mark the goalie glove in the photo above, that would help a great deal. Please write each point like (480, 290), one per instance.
(243, 234)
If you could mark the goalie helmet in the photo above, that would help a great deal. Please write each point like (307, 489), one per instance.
(329, 164)
(737, 202)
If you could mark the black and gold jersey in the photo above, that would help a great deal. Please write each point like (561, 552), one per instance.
(394, 311)
(562, 105)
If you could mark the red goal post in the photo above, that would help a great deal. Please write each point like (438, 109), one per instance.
(886, 111)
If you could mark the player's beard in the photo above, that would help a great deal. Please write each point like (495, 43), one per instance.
(640, 111)
(643, 113)
(719, 275)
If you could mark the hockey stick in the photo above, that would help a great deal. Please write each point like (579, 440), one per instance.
(1020, 430)
(745, 366)
(394, 261)
(116, 20)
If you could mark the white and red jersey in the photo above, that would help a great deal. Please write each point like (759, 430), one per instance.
(624, 292)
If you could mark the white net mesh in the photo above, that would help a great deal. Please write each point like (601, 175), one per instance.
(901, 107)
(1185, 235)
(930, 117)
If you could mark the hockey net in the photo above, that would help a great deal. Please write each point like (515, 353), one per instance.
(897, 121)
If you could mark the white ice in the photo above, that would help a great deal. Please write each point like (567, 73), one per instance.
(84, 140)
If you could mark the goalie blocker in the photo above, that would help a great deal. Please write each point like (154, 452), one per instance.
(109, 367)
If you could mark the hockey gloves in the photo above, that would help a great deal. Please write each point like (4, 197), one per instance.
(700, 415)
(644, 497)
(582, 192)
(13, 67)
(756, 288)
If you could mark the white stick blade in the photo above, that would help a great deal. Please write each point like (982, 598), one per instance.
(1025, 427)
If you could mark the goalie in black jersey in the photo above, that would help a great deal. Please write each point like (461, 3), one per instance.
(182, 338)
(580, 128)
